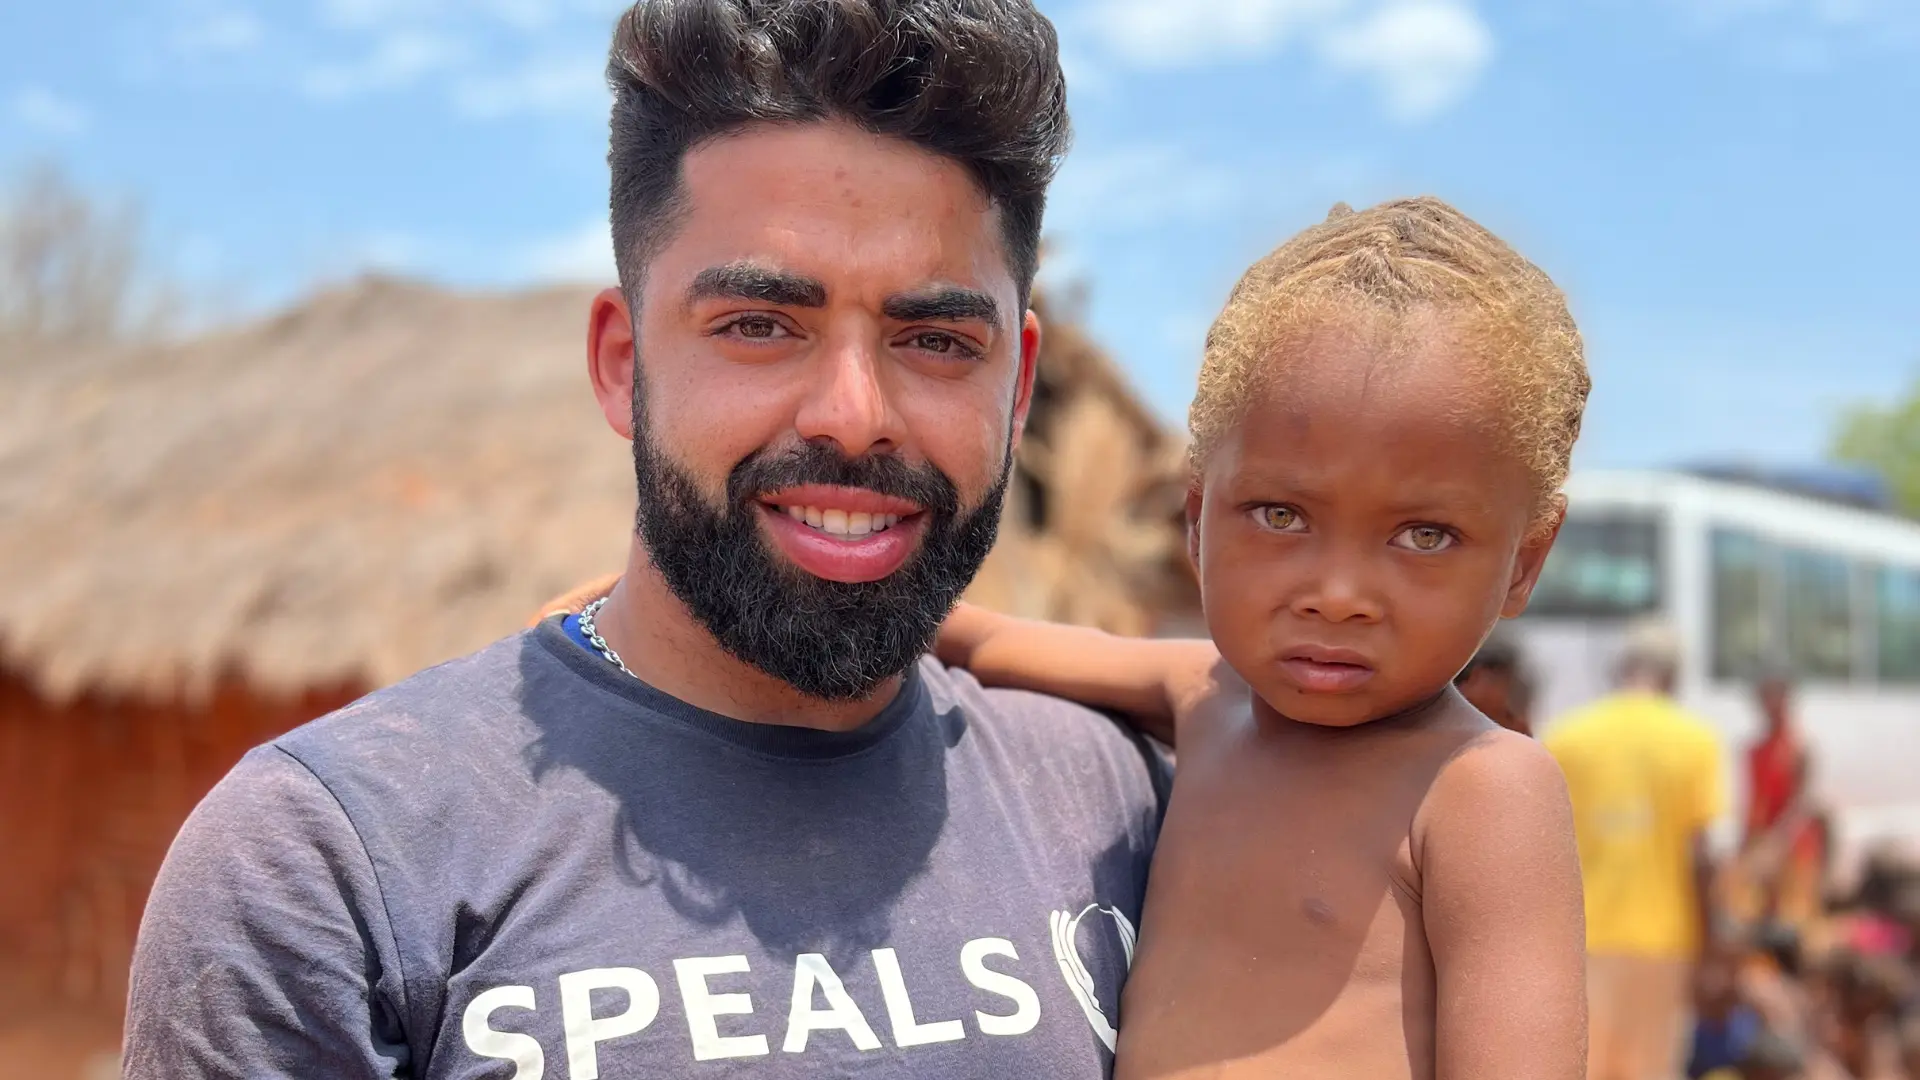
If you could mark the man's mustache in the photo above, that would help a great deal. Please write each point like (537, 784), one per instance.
(768, 471)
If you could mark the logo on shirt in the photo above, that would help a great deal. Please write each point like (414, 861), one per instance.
(1064, 928)
(731, 1011)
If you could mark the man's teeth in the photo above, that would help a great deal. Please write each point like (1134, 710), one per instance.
(842, 523)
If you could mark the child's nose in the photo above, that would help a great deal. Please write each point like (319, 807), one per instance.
(1339, 594)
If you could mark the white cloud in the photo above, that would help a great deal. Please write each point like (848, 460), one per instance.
(581, 254)
(43, 110)
(1136, 186)
(485, 58)
(518, 14)
(1084, 74)
(1424, 54)
(1179, 33)
(556, 83)
(221, 32)
(397, 60)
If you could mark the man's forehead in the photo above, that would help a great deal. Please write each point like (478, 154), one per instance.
(841, 206)
(836, 160)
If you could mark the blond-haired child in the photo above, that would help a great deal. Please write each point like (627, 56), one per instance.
(1359, 875)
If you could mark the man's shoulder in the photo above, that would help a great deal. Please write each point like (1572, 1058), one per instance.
(450, 703)
(1038, 734)
(1047, 724)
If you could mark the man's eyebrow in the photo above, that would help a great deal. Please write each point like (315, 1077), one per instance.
(756, 283)
(942, 303)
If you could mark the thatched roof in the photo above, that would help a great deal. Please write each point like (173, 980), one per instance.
(1092, 533)
(390, 475)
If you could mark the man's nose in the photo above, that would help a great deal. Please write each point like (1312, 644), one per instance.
(848, 399)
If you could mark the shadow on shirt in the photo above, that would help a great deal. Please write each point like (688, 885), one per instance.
(809, 838)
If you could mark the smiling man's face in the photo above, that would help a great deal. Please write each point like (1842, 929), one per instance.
(834, 363)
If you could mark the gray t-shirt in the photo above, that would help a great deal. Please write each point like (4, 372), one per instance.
(527, 864)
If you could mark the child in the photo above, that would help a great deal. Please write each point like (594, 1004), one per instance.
(1725, 1025)
(1772, 1057)
(1359, 875)
(1910, 1045)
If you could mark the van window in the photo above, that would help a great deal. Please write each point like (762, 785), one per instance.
(1743, 590)
(1897, 607)
(1603, 564)
(1819, 600)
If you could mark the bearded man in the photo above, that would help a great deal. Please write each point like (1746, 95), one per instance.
(728, 820)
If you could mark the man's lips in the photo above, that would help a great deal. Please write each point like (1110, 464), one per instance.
(1315, 669)
(852, 500)
(841, 533)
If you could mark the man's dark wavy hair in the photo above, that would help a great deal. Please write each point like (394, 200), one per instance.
(976, 81)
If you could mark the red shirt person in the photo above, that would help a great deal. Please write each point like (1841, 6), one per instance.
(1783, 832)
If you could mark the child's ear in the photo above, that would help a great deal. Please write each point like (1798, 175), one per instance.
(1193, 528)
(1532, 556)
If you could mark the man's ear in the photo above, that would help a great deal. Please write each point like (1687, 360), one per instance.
(610, 358)
(1029, 370)
(1532, 556)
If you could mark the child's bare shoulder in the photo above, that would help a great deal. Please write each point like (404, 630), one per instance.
(1495, 782)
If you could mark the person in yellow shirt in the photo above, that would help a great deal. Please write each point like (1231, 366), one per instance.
(1646, 782)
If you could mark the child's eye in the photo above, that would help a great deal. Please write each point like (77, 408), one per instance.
(1278, 518)
(1424, 538)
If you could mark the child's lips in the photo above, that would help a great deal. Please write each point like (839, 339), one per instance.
(1316, 670)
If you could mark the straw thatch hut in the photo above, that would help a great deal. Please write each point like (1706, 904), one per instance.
(204, 545)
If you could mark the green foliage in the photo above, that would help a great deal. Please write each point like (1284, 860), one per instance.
(1886, 438)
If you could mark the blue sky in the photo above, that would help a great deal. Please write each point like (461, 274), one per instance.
(1726, 188)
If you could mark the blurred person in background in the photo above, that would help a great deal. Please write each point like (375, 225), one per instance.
(1771, 1057)
(1783, 846)
(1645, 779)
(1856, 1024)
(1910, 1044)
(1725, 1023)
(1774, 978)
(1496, 682)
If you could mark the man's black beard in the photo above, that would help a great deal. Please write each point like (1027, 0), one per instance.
(831, 640)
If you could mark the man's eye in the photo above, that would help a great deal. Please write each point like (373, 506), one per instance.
(941, 344)
(1424, 538)
(757, 328)
(1278, 518)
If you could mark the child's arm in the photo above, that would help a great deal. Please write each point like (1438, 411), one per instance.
(1151, 681)
(1501, 904)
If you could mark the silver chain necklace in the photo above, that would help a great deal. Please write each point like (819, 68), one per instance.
(593, 634)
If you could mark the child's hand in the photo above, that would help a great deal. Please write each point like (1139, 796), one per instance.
(964, 631)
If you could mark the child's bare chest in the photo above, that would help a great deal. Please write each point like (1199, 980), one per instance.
(1282, 927)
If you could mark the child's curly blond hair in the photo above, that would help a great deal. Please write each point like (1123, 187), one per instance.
(1401, 258)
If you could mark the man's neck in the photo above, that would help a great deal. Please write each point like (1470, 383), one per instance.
(665, 646)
